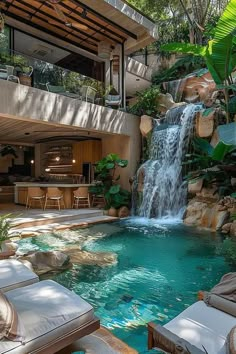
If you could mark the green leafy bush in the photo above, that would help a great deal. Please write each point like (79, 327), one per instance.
(106, 182)
(146, 102)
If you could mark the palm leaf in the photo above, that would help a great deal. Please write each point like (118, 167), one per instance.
(222, 44)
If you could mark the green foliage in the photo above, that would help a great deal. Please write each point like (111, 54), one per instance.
(106, 183)
(146, 102)
(181, 68)
(208, 163)
(218, 53)
(5, 226)
(229, 251)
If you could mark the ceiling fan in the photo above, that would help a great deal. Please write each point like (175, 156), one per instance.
(62, 16)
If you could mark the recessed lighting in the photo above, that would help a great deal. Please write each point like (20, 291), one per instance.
(27, 133)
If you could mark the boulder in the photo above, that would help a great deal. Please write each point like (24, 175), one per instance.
(208, 194)
(195, 187)
(194, 212)
(123, 212)
(90, 258)
(51, 261)
(112, 212)
(9, 246)
(145, 125)
(198, 88)
(166, 102)
(221, 217)
(226, 228)
(204, 125)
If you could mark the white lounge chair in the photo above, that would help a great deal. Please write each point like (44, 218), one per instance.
(53, 318)
(198, 329)
(14, 274)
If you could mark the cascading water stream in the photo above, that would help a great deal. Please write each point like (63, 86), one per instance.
(164, 192)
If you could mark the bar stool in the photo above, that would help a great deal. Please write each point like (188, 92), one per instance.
(81, 197)
(55, 196)
(34, 195)
(98, 200)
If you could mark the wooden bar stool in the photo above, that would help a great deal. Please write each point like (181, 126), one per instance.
(35, 195)
(54, 198)
(81, 197)
(98, 200)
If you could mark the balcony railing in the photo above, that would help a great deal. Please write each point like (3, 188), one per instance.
(49, 77)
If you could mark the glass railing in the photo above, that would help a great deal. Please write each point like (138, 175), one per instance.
(37, 73)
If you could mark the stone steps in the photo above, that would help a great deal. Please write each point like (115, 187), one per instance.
(35, 230)
(33, 218)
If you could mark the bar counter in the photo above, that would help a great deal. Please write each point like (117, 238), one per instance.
(21, 190)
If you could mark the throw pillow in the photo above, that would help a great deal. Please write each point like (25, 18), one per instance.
(220, 303)
(11, 326)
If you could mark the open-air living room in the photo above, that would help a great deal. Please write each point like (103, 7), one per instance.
(117, 177)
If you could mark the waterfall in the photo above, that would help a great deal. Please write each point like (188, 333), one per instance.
(164, 192)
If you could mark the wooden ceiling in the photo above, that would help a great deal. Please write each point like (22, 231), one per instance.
(19, 131)
(103, 22)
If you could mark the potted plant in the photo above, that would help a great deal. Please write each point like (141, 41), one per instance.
(5, 225)
(25, 74)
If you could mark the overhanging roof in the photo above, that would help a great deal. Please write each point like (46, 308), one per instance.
(110, 20)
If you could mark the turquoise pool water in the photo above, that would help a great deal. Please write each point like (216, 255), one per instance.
(161, 266)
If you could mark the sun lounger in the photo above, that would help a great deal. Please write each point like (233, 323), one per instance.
(14, 274)
(199, 326)
(53, 318)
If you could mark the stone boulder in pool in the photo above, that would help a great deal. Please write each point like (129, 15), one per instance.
(90, 258)
(48, 262)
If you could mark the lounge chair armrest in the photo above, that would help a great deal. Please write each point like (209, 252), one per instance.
(162, 338)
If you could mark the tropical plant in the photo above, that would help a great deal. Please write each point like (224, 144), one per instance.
(181, 68)
(106, 182)
(208, 163)
(219, 53)
(146, 102)
(5, 226)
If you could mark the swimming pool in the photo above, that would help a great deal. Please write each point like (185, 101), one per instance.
(161, 266)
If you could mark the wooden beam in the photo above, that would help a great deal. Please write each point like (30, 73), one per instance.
(121, 38)
(105, 19)
(43, 29)
(78, 32)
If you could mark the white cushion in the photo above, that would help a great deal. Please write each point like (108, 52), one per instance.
(14, 274)
(203, 326)
(49, 312)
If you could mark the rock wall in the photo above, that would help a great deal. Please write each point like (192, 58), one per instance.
(207, 212)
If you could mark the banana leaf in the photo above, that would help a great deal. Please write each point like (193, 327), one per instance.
(222, 44)
(221, 150)
(187, 48)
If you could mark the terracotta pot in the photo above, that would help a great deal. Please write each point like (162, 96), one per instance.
(7, 254)
(25, 80)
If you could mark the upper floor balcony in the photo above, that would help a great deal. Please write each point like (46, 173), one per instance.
(45, 76)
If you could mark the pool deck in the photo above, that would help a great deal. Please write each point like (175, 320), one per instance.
(31, 222)
(101, 341)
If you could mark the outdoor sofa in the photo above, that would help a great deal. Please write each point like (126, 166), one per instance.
(207, 326)
(194, 329)
(47, 316)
